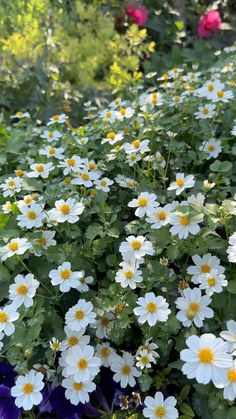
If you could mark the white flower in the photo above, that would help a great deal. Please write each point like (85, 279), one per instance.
(145, 202)
(20, 115)
(222, 96)
(86, 178)
(230, 335)
(153, 99)
(181, 183)
(46, 239)
(80, 315)
(65, 277)
(136, 146)
(8, 315)
(51, 135)
(57, 119)
(212, 282)
(55, 345)
(108, 115)
(23, 290)
(27, 390)
(136, 247)
(193, 307)
(159, 217)
(77, 392)
(159, 161)
(152, 309)
(26, 201)
(112, 138)
(105, 353)
(14, 247)
(124, 370)
(11, 186)
(31, 216)
(74, 338)
(144, 359)
(204, 265)
(126, 182)
(66, 211)
(7, 207)
(205, 112)
(102, 325)
(196, 200)
(209, 89)
(82, 141)
(212, 147)
(206, 359)
(124, 113)
(84, 281)
(71, 164)
(81, 363)
(231, 250)
(40, 169)
(150, 347)
(158, 408)
(103, 184)
(128, 276)
(50, 151)
(1, 343)
(229, 392)
(182, 225)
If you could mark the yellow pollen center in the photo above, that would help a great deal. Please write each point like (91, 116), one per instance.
(180, 182)
(130, 184)
(165, 76)
(220, 93)
(144, 360)
(82, 364)
(231, 374)
(142, 202)
(136, 144)
(70, 162)
(126, 369)
(65, 208)
(27, 200)
(206, 355)
(161, 215)
(176, 99)
(205, 269)
(56, 346)
(210, 87)
(184, 221)
(129, 274)
(78, 386)
(104, 321)
(151, 307)
(52, 151)
(211, 147)
(92, 166)
(65, 274)
(160, 411)
(205, 111)
(11, 183)
(28, 388)
(73, 340)
(22, 289)
(103, 183)
(19, 172)
(3, 317)
(13, 246)
(105, 352)
(136, 245)
(51, 134)
(31, 215)
(154, 98)
(108, 114)
(42, 241)
(193, 309)
(40, 168)
(117, 148)
(19, 113)
(85, 176)
(122, 111)
(55, 117)
(111, 135)
(79, 315)
(211, 282)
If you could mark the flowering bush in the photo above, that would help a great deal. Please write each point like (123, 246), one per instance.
(117, 248)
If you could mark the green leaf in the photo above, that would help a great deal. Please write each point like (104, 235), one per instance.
(93, 231)
(5, 278)
(184, 392)
(232, 286)
(187, 410)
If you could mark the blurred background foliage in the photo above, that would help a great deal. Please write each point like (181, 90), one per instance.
(55, 54)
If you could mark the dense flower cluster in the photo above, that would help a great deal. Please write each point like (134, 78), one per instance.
(115, 249)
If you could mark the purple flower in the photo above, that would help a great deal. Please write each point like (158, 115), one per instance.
(8, 409)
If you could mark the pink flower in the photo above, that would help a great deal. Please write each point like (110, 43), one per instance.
(138, 13)
(209, 22)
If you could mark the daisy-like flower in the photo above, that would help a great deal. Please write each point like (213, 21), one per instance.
(124, 113)
(205, 112)
(204, 265)
(51, 135)
(40, 170)
(50, 151)
(230, 335)
(159, 161)
(81, 363)
(196, 200)
(14, 247)
(103, 324)
(108, 115)
(222, 96)
(82, 141)
(152, 309)
(11, 186)
(212, 147)
(8, 315)
(112, 138)
(145, 202)
(84, 281)
(66, 211)
(65, 277)
(80, 315)
(103, 184)
(46, 239)
(128, 276)
(193, 307)
(125, 370)
(181, 183)
(182, 225)
(77, 391)
(74, 338)
(229, 392)
(159, 408)
(209, 89)
(27, 390)
(136, 248)
(159, 216)
(7, 207)
(55, 345)
(231, 250)
(131, 159)
(206, 359)
(144, 359)
(20, 115)
(136, 146)
(31, 216)
(57, 119)
(126, 182)
(85, 178)
(105, 353)
(152, 99)
(23, 290)
(71, 164)
(150, 347)
(212, 282)
(27, 200)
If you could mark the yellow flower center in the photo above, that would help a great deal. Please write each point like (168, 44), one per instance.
(154, 98)
(122, 111)
(39, 168)
(206, 355)
(176, 99)
(211, 282)
(220, 94)
(211, 147)
(108, 114)
(193, 309)
(13, 246)
(51, 134)
(136, 245)
(73, 340)
(151, 307)
(52, 151)
(165, 76)
(117, 148)
(42, 241)
(79, 315)
(136, 144)
(11, 183)
(55, 117)
(111, 135)
(129, 274)
(142, 202)
(104, 321)
(184, 221)
(82, 364)
(19, 172)
(19, 113)
(205, 269)
(231, 374)
(56, 346)
(144, 360)
(210, 87)
(27, 200)
(65, 274)
(130, 183)
(126, 369)
(160, 411)
(67, 181)
(92, 166)
(65, 209)
(85, 176)
(161, 215)
(78, 386)
(105, 352)
(3, 317)
(70, 162)
(22, 289)
(180, 182)
(103, 183)
(205, 111)
(31, 215)
(28, 388)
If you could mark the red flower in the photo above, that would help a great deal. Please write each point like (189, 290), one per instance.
(209, 22)
(138, 13)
